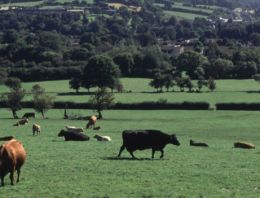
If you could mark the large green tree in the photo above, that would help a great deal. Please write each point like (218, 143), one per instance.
(75, 84)
(42, 101)
(101, 71)
(125, 61)
(189, 61)
(13, 100)
(13, 83)
(220, 68)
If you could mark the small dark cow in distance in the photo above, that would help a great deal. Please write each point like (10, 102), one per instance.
(29, 115)
(73, 136)
(6, 138)
(145, 139)
(12, 157)
(97, 128)
(23, 121)
(245, 145)
(201, 144)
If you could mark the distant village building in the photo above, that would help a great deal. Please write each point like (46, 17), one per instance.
(250, 11)
(172, 49)
(225, 20)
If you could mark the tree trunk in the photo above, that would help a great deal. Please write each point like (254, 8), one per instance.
(14, 114)
(100, 115)
(42, 114)
(65, 113)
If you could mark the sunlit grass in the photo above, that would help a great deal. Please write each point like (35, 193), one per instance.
(236, 91)
(55, 168)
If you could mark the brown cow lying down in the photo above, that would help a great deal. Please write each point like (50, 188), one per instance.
(193, 143)
(102, 138)
(245, 145)
(146, 139)
(22, 122)
(12, 157)
(36, 129)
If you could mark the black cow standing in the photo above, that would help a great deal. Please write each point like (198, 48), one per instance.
(74, 136)
(29, 115)
(145, 139)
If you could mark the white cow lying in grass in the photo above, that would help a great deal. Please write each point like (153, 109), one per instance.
(74, 129)
(102, 138)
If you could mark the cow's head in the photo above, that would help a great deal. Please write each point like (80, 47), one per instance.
(61, 133)
(174, 140)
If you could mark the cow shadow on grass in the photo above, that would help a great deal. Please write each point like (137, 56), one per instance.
(130, 158)
(252, 91)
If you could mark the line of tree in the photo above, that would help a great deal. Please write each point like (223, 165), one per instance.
(42, 101)
(168, 81)
(56, 45)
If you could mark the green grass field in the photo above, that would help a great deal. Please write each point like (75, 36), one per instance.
(227, 91)
(24, 4)
(69, 1)
(55, 168)
(38, 3)
(188, 16)
(180, 5)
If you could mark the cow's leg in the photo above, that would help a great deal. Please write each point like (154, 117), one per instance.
(18, 175)
(121, 150)
(2, 181)
(12, 177)
(132, 154)
(153, 151)
(162, 152)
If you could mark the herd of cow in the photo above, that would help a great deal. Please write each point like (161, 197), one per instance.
(13, 155)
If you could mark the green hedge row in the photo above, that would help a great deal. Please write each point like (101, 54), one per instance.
(134, 106)
(153, 106)
(238, 106)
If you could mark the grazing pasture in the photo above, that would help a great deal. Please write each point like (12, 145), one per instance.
(184, 15)
(24, 4)
(227, 91)
(55, 168)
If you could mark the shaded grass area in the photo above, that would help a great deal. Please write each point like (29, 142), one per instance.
(56, 168)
